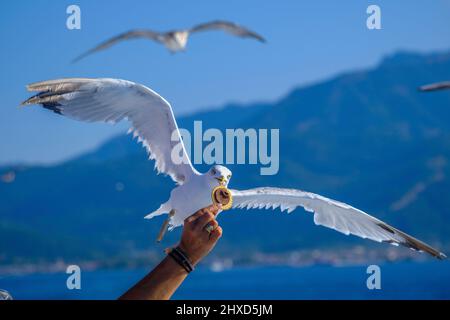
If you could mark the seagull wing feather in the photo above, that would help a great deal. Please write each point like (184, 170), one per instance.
(132, 34)
(329, 213)
(436, 86)
(112, 100)
(229, 27)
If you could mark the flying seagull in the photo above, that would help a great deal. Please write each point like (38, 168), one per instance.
(153, 122)
(436, 86)
(175, 40)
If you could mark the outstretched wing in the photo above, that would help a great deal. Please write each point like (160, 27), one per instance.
(132, 34)
(436, 86)
(111, 100)
(229, 27)
(329, 213)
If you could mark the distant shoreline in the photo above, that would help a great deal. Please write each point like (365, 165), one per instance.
(354, 256)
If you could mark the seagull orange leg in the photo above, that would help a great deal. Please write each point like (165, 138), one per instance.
(163, 229)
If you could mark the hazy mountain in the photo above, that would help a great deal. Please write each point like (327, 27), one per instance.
(368, 138)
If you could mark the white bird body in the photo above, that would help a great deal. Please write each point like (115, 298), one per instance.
(176, 41)
(153, 122)
(189, 197)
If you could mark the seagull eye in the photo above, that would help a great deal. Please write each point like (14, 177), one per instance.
(213, 172)
(229, 177)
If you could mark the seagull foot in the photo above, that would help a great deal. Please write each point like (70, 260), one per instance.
(163, 229)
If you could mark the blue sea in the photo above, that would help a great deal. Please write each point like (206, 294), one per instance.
(405, 280)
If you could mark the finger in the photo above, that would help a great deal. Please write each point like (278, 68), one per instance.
(204, 220)
(216, 234)
(212, 225)
(195, 216)
(214, 209)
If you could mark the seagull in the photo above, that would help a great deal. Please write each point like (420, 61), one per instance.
(4, 295)
(176, 40)
(152, 121)
(436, 86)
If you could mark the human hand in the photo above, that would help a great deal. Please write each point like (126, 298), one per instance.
(196, 242)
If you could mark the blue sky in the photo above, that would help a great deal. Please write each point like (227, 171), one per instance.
(308, 41)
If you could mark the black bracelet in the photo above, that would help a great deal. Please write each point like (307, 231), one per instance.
(181, 258)
(186, 261)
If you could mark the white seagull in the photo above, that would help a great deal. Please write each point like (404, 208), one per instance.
(176, 40)
(153, 122)
(436, 86)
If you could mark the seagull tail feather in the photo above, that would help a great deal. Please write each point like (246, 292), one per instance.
(164, 208)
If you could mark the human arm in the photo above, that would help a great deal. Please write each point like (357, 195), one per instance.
(196, 242)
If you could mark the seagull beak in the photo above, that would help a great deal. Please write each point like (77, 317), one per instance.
(221, 180)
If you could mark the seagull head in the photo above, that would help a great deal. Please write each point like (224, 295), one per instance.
(220, 174)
